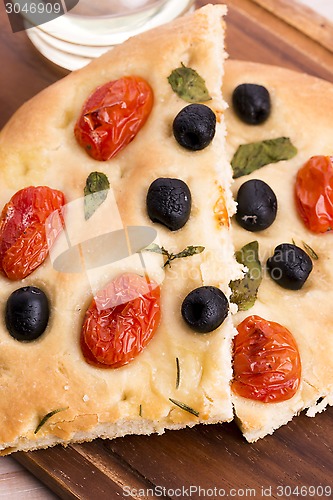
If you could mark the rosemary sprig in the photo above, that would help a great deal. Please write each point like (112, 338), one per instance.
(47, 417)
(310, 251)
(178, 373)
(184, 407)
(189, 251)
(140, 411)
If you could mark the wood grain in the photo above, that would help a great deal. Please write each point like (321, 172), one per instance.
(255, 34)
(24, 73)
(18, 484)
(222, 458)
(303, 18)
(207, 457)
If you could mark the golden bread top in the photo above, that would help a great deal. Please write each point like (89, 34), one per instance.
(302, 109)
(38, 147)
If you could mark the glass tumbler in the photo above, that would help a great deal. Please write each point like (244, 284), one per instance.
(93, 27)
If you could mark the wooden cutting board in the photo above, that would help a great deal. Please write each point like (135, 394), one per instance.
(214, 458)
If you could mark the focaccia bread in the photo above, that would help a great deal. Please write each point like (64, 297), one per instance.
(49, 393)
(302, 110)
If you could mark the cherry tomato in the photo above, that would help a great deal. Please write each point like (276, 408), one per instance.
(113, 115)
(314, 193)
(121, 321)
(24, 244)
(267, 364)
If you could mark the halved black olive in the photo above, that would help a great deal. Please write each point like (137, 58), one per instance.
(256, 205)
(27, 313)
(290, 266)
(252, 103)
(194, 126)
(205, 308)
(169, 202)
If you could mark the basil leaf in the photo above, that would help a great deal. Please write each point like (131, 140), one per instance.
(95, 192)
(184, 407)
(250, 157)
(189, 85)
(244, 291)
(47, 417)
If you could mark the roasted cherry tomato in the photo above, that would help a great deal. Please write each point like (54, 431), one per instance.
(120, 321)
(113, 115)
(267, 364)
(24, 244)
(314, 193)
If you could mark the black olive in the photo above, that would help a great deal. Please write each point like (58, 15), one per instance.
(27, 313)
(257, 205)
(205, 308)
(290, 266)
(169, 202)
(252, 103)
(194, 126)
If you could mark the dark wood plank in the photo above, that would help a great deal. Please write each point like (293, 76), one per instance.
(255, 34)
(74, 481)
(207, 457)
(297, 454)
(84, 472)
(302, 18)
(24, 71)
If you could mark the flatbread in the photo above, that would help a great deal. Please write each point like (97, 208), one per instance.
(302, 109)
(38, 147)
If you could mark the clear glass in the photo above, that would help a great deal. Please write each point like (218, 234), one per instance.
(92, 28)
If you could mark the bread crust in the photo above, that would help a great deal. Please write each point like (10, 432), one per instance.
(37, 147)
(302, 109)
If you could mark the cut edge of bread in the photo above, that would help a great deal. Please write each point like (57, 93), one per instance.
(121, 428)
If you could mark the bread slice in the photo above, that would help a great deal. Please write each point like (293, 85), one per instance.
(302, 109)
(38, 147)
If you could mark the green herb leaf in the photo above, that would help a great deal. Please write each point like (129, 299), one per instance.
(95, 192)
(244, 291)
(140, 411)
(156, 249)
(184, 407)
(178, 373)
(187, 252)
(189, 85)
(310, 251)
(250, 157)
(47, 417)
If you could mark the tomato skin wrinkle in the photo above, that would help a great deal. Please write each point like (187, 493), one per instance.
(24, 242)
(120, 322)
(267, 365)
(314, 194)
(113, 115)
